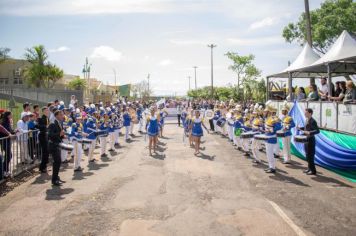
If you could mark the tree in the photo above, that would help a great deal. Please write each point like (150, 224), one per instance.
(141, 90)
(41, 73)
(4, 54)
(327, 22)
(77, 83)
(244, 69)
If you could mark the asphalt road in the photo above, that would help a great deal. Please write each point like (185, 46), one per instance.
(176, 193)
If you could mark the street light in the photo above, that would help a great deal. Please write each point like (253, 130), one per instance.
(212, 46)
(195, 76)
(189, 82)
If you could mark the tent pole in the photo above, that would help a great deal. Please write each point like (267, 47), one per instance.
(290, 86)
(267, 88)
(329, 79)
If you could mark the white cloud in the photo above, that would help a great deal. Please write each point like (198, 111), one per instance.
(59, 49)
(261, 41)
(188, 42)
(165, 62)
(268, 21)
(107, 53)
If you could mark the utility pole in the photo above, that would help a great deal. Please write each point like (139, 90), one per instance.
(86, 73)
(189, 82)
(308, 29)
(195, 76)
(212, 46)
(148, 86)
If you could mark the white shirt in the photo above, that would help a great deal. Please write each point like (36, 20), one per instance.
(179, 109)
(324, 89)
(22, 127)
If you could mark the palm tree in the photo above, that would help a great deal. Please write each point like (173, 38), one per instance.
(77, 84)
(41, 73)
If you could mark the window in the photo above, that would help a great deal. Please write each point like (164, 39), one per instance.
(4, 81)
(18, 81)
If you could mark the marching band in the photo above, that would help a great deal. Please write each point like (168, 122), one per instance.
(251, 130)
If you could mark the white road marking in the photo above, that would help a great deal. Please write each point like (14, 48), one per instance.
(284, 216)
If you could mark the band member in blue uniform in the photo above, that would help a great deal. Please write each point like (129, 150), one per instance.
(270, 131)
(197, 130)
(77, 137)
(127, 123)
(90, 129)
(288, 124)
(152, 131)
(139, 114)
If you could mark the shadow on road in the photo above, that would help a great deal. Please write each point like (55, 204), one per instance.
(95, 166)
(159, 156)
(56, 193)
(79, 175)
(287, 179)
(206, 157)
(334, 182)
(42, 179)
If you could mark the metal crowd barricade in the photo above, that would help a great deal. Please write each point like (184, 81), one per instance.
(20, 152)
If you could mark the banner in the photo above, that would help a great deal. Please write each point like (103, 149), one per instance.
(328, 116)
(347, 118)
(124, 90)
(316, 111)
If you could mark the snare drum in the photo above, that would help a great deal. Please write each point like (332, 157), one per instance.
(281, 134)
(100, 132)
(261, 137)
(249, 134)
(66, 147)
(221, 122)
(85, 141)
(301, 138)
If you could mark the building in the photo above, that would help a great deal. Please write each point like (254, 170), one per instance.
(12, 72)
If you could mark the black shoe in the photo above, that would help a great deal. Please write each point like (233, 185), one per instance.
(111, 150)
(276, 156)
(266, 169)
(261, 149)
(61, 181)
(104, 155)
(65, 161)
(92, 160)
(247, 154)
(311, 173)
(271, 171)
(56, 183)
(239, 148)
(78, 169)
(306, 171)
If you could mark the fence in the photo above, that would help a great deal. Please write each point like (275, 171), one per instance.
(332, 116)
(19, 153)
(39, 96)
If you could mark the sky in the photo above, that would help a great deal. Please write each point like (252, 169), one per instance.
(164, 38)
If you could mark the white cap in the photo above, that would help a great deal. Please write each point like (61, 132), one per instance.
(23, 114)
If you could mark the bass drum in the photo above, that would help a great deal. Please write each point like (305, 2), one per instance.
(209, 114)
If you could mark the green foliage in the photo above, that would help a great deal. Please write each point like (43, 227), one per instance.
(246, 72)
(77, 84)
(327, 22)
(41, 73)
(253, 90)
(4, 54)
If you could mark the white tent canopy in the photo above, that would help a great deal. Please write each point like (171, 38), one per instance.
(341, 57)
(305, 58)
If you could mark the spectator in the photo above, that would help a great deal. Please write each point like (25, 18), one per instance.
(36, 111)
(22, 128)
(341, 96)
(313, 93)
(350, 95)
(324, 90)
(32, 136)
(26, 107)
(337, 89)
(73, 100)
(292, 97)
(6, 132)
(301, 95)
